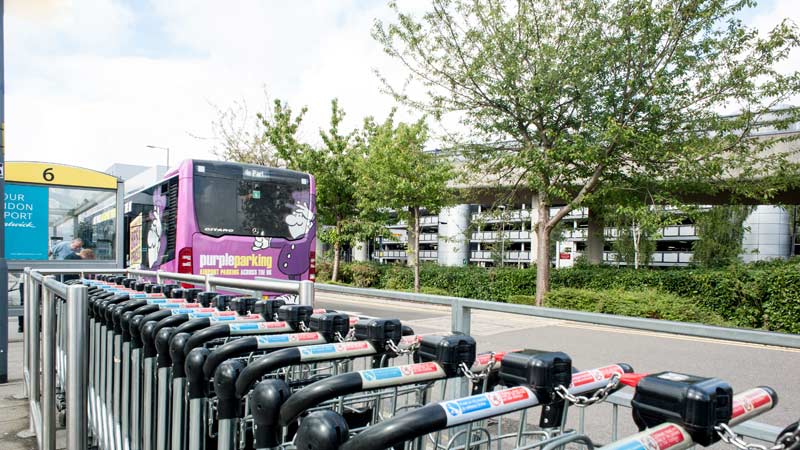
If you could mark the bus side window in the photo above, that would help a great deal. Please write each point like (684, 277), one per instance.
(170, 218)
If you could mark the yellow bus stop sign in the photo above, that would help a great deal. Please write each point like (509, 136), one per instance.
(57, 175)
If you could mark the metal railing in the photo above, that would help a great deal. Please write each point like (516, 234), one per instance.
(461, 312)
(303, 289)
(55, 347)
(58, 358)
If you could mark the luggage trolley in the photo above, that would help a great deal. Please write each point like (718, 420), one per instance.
(202, 360)
(531, 378)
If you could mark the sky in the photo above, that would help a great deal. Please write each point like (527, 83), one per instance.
(94, 82)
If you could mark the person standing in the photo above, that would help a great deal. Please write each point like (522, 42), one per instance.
(64, 249)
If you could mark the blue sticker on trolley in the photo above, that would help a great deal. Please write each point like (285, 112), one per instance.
(201, 315)
(467, 405)
(382, 374)
(223, 319)
(277, 339)
(318, 350)
(157, 301)
(243, 326)
(632, 445)
(486, 405)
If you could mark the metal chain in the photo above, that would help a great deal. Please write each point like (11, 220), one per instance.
(787, 441)
(582, 401)
(791, 439)
(472, 376)
(350, 336)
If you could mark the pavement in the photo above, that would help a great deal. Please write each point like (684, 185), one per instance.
(13, 407)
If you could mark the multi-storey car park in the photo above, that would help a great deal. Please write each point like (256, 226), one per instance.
(487, 233)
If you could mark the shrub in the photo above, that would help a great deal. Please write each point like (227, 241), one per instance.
(398, 277)
(324, 271)
(782, 299)
(649, 303)
(364, 274)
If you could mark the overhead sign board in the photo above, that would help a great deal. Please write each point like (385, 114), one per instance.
(26, 212)
(58, 175)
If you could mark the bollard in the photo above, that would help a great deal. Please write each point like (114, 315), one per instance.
(306, 293)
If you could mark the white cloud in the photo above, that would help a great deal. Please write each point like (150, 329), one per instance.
(91, 82)
(76, 95)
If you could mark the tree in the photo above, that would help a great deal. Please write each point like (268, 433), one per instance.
(238, 136)
(638, 226)
(334, 168)
(399, 175)
(568, 98)
(721, 231)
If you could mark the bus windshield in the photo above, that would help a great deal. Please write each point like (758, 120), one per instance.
(247, 201)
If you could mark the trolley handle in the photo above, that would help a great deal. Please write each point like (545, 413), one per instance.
(248, 345)
(292, 356)
(364, 380)
(439, 416)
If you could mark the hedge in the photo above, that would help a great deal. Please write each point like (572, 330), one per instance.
(761, 295)
(649, 303)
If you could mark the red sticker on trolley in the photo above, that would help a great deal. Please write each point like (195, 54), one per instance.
(270, 325)
(224, 313)
(420, 369)
(748, 401)
(663, 439)
(352, 346)
(320, 311)
(513, 395)
(595, 375)
(353, 321)
(308, 336)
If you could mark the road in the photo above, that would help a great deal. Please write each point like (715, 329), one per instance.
(742, 365)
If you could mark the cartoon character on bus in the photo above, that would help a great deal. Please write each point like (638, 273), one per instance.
(156, 239)
(293, 259)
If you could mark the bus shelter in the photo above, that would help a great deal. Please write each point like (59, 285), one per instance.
(60, 217)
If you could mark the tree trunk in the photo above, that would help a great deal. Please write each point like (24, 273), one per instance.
(416, 249)
(336, 258)
(542, 253)
(637, 235)
(337, 246)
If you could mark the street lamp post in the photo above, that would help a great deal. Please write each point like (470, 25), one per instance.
(161, 148)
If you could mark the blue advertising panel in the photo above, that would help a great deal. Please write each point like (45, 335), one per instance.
(26, 216)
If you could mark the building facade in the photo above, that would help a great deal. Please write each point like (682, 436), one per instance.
(477, 234)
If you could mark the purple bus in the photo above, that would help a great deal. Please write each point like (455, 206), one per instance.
(225, 219)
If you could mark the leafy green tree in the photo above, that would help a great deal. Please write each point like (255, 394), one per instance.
(334, 168)
(399, 175)
(638, 227)
(720, 230)
(571, 97)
